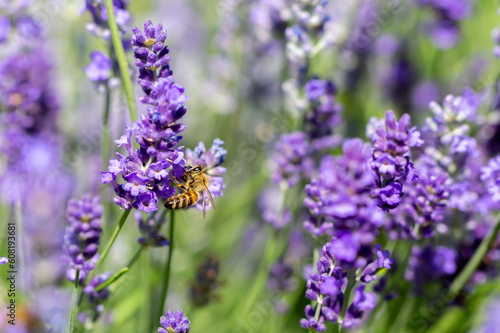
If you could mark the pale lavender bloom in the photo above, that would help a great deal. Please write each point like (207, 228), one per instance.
(4, 260)
(100, 67)
(292, 161)
(83, 234)
(174, 322)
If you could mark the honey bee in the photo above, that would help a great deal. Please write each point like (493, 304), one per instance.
(193, 184)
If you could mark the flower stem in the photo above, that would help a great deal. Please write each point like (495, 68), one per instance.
(74, 305)
(110, 242)
(166, 274)
(459, 282)
(122, 60)
(347, 298)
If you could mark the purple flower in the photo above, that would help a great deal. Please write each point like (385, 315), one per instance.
(390, 159)
(99, 26)
(100, 67)
(4, 28)
(211, 159)
(339, 200)
(150, 231)
(27, 99)
(82, 235)
(323, 115)
(444, 30)
(430, 264)
(174, 323)
(425, 202)
(292, 159)
(4, 260)
(326, 287)
(95, 298)
(149, 169)
(490, 175)
(449, 122)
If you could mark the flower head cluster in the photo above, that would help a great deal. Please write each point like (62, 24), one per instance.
(151, 55)
(424, 203)
(429, 264)
(308, 31)
(174, 322)
(390, 160)
(203, 287)
(270, 18)
(99, 69)
(490, 175)
(147, 171)
(150, 231)
(292, 160)
(323, 114)
(444, 31)
(82, 235)
(27, 101)
(96, 297)
(450, 122)
(211, 159)
(339, 199)
(326, 288)
(99, 26)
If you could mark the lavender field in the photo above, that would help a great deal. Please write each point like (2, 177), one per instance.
(225, 166)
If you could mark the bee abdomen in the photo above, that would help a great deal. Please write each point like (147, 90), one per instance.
(182, 200)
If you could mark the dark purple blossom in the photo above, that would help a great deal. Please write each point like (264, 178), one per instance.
(174, 322)
(323, 114)
(444, 31)
(390, 159)
(83, 234)
(148, 170)
(326, 287)
(99, 68)
(490, 175)
(99, 26)
(203, 287)
(95, 298)
(150, 231)
(430, 263)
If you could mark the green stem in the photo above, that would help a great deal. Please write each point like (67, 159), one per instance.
(459, 283)
(122, 60)
(347, 298)
(74, 305)
(260, 281)
(110, 243)
(166, 275)
(135, 257)
(113, 279)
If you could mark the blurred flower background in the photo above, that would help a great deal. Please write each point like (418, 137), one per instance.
(351, 149)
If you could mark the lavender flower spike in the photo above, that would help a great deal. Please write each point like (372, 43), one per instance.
(82, 235)
(174, 323)
(148, 170)
(390, 160)
(490, 175)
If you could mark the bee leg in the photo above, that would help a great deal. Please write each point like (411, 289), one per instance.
(179, 184)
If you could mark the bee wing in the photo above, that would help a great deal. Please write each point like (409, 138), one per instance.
(204, 203)
(212, 203)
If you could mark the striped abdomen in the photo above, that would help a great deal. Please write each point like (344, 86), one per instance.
(182, 200)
